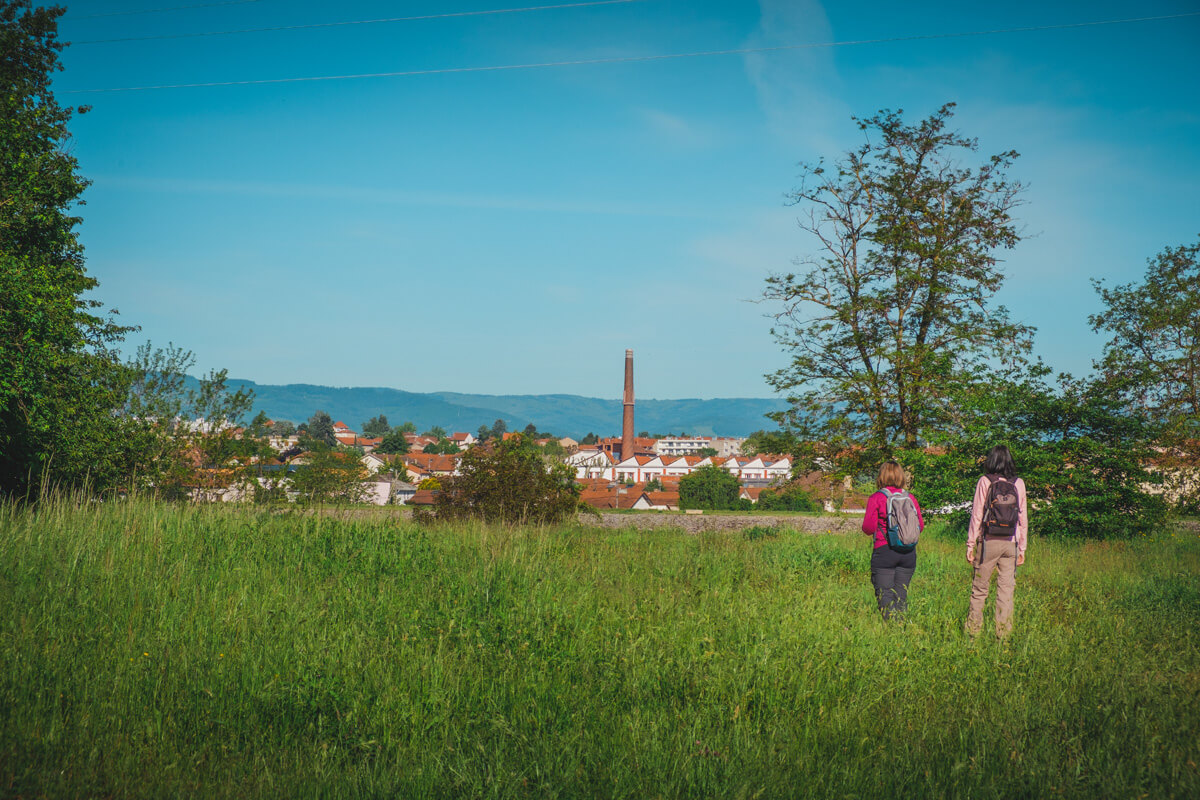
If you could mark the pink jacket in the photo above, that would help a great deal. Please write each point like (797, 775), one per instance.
(981, 493)
(873, 521)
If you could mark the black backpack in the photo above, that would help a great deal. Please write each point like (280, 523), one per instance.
(1002, 509)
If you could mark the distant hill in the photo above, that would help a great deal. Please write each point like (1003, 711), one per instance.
(562, 414)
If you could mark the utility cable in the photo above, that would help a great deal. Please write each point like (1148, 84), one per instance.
(71, 16)
(634, 59)
(448, 15)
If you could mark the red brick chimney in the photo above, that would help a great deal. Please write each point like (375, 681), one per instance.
(627, 417)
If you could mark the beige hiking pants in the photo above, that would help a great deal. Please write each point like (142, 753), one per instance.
(999, 556)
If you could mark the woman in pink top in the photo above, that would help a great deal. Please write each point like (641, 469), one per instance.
(999, 539)
(891, 568)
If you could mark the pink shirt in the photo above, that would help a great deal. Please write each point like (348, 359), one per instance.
(981, 493)
(873, 520)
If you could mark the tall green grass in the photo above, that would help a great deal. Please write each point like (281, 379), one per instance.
(151, 650)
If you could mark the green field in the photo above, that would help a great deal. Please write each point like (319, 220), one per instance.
(151, 651)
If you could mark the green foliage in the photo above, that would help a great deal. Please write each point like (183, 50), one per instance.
(763, 442)
(1154, 358)
(330, 477)
(707, 452)
(60, 380)
(442, 446)
(591, 438)
(282, 427)
(1155, 327)
(654, 485)
(318, 431)
(153, 651)
(394, 443)
(895, 312)
(1082, 453)
(376, 427)
(437, 432)
(509, 482)
(709, 487)
(788, 498)
(758, 532)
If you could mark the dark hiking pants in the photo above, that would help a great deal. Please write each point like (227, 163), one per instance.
(891, 570)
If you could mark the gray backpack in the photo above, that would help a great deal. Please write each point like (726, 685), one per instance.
(903, 524)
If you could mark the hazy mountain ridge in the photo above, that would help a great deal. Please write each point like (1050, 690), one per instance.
(562, 414)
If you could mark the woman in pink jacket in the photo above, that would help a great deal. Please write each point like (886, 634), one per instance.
(996, 539)
(891, 567)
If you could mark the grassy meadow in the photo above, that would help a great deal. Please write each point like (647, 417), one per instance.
(153, 651)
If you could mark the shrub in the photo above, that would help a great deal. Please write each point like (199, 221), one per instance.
(509, 481)
(709, 487)
(787, 498)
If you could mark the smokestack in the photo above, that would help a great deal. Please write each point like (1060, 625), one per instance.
(627, 417)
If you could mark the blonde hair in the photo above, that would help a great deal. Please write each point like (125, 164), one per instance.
(890, 474)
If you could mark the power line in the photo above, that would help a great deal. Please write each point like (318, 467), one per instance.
(354, 22)
(634, 59)
(160, 10)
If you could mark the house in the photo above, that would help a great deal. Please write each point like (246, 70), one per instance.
(682, 446)
(592, 463)
(751, 493)
(433, 463)
(423, 497)
(657, 501)
(463, 440)
(611, 495)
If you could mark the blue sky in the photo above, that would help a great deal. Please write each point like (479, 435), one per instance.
(513, 231)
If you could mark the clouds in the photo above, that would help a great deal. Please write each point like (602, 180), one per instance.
(797, 90)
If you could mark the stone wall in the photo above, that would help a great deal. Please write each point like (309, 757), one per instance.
(695, 523)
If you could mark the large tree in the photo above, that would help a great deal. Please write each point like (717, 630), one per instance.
(59, 379)
(1154, 351)
(894, 311)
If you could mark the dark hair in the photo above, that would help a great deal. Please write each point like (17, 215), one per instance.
(1000, 462)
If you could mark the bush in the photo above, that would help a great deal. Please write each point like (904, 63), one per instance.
(1082, 454)
(787, 498)
(709, 487)
(509, 481)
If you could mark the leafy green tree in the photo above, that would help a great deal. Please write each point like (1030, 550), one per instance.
(763, 442)
(406, 427)
(394, 442)
(330, 477)
(282, 427)
(591, 438)
(319, 431)
(376, 426)
(499, 428)
(442, 446)
(259, 427)
(484, 433)
(437, 432)
(894, 312)
(509, 482)
(60, 380)
(1081, 451)
(1155, 328)
(654, 485)
(787, 498)
(706, 452)
(531, 431)
(187, 431)
(709, 487)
